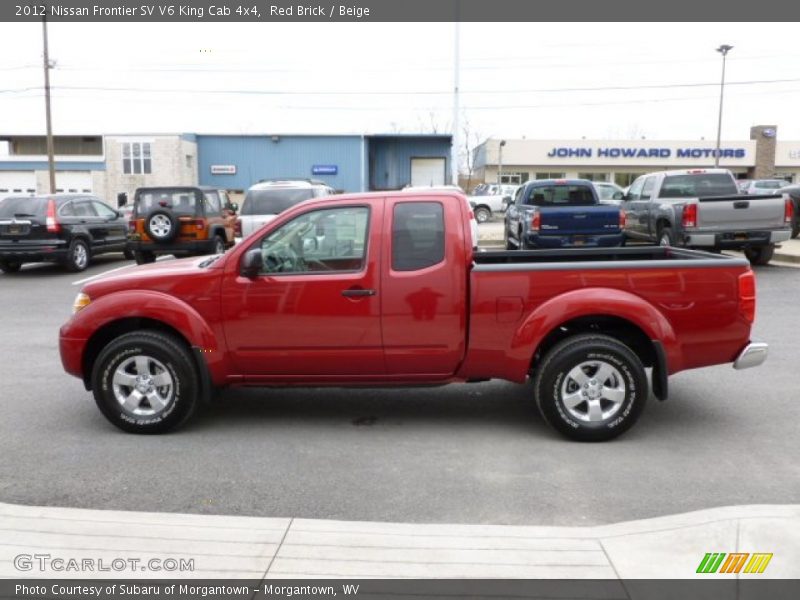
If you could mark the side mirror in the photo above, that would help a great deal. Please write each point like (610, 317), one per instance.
(122, 199)
(232, 206)
(252, 263)
(625, 196)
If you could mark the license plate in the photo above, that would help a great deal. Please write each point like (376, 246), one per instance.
(14, 229)
(578, 241)
(740, 236)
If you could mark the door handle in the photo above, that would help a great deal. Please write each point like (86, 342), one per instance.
(357, 293)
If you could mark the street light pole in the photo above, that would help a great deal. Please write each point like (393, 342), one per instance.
(51, 166)
(723, 49)
(456, 141)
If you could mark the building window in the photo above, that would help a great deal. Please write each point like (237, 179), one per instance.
(593, 176)
(136, 158)
(625, 179)
(513, 178)
(552, 175)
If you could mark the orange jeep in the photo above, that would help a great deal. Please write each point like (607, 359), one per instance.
(183, 221)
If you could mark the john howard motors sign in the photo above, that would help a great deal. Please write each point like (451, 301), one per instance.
(618, 152)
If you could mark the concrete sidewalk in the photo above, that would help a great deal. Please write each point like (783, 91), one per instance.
(280, 548)
(490, 235)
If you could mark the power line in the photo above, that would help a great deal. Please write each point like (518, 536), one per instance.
(399, 92)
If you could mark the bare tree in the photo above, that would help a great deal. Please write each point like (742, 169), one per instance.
(471, 141)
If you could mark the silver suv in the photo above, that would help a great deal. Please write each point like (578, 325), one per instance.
(268, 198)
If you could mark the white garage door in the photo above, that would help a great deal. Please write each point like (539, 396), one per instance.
(427, 171)
(74, 182)
(17, 183)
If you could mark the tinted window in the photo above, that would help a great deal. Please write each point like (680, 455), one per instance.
(273, 202)
(22, 207)
(561, 195)
(84, 208)
(417, 235)
(213, 206)
(770, 185)
(324, 241)
(104, 210)
(698, 185)
(181, 202)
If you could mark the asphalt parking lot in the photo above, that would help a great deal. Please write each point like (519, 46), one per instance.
(459, 454)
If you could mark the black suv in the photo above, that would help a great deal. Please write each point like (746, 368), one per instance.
(64, 228)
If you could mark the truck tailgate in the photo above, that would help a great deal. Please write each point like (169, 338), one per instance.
(741, 212)
(569, 220)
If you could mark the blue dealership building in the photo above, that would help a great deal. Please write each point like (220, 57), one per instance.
(110, 164)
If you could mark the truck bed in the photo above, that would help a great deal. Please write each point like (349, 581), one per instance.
(602, 258)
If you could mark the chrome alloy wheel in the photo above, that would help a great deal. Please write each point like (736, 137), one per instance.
(143, 386)
(160, 225)
(80, 257)
(593, 391)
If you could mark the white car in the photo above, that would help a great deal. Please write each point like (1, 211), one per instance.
(473, 225)
(490, 199)
(609, 193)
(267, 199)
(763, 186)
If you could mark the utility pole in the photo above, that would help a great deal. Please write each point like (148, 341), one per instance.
(456, 69)
(723, 49)
(51, 165)
(500, 162)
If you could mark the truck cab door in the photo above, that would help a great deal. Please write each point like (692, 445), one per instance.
(424, 285)
(644, 207)
(633, 209)
(313, 312)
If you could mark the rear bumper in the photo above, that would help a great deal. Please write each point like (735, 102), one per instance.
(735, 239)
(33, 252)
(533, 240)
(752, 355)
(193, 247)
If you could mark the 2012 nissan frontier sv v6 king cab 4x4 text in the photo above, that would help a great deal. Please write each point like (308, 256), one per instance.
(385, 289)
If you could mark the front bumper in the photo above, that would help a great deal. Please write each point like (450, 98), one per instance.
(752, 355)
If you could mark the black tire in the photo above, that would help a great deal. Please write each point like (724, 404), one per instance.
(482, 214)
(665, 237)
(129, 254)
(161, 225)
(8, 266)
(760, 255)
(219, 245)
(165, 357)
(144, 257)
(509, 245)
(796, 226)
(78, 256)
(585, 354)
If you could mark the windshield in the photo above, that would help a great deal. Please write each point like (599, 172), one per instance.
(698, 186)
(181, 202)
(22, 207)
(273, 202)
(561, 195)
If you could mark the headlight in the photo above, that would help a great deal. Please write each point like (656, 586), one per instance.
(81, 301)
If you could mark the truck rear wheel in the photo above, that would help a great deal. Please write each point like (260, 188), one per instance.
(145, 382)
(591, 388)
(760, 255)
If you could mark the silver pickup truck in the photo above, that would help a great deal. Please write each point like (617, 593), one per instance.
(702, 208)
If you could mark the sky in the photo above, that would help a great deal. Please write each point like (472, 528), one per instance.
(534, 80)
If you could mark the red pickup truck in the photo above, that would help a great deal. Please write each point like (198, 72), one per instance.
(385, 289)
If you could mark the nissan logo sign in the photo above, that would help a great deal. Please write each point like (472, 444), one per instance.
(769, 132)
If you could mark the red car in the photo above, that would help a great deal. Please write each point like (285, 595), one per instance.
(385, 289)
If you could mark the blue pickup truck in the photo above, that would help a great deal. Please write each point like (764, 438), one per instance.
(561, 213)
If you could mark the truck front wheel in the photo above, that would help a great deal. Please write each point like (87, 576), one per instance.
(145, 382)
(591, 388)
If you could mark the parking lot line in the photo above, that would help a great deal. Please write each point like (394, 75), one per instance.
(80, 281)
